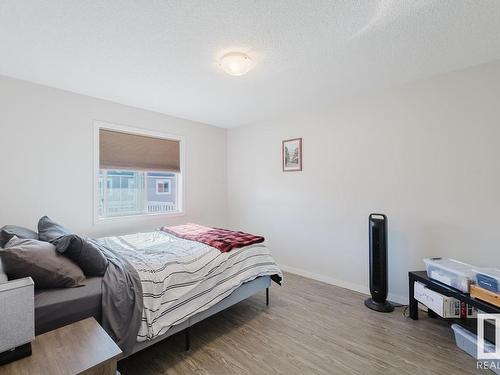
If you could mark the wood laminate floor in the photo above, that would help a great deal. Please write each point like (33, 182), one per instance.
(309, 328)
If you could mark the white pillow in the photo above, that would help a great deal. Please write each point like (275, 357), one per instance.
(3, 276)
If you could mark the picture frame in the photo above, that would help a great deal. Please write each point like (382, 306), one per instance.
(291, 152)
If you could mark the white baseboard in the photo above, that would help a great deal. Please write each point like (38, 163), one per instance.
(343, 284)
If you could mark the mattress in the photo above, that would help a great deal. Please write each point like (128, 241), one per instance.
(55, 308)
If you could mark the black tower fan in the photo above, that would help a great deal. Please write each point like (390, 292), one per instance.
(377, 226)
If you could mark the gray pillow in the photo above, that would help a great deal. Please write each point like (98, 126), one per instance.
(49, 230)
(84, 252)
(9, 231)
(40, 261)
(3, 275)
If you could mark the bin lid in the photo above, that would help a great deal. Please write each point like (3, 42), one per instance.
(492, 272)
(452, 265)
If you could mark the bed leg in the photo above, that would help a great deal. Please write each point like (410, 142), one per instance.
(267, 296)
(188, 341)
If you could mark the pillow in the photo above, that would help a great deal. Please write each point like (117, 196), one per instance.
(49, 230)
(3, 275)
(83, 252)
(9, 231)
(40, 261)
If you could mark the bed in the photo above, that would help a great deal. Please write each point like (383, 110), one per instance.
(157, 285)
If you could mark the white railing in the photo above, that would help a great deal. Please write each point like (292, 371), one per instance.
(114, 208)
(130, 207)
(159, 207)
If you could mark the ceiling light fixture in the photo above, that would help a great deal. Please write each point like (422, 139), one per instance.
(236, 63)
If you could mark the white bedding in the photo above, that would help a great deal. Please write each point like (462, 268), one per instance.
(181, 278)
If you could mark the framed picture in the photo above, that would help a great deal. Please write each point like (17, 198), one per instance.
(292, 155)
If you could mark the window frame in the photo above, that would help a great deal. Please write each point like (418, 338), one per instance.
(181, 178)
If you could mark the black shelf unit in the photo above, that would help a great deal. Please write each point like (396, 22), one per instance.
(470, 324)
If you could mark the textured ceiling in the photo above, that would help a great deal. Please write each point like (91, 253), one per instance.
(161, 55)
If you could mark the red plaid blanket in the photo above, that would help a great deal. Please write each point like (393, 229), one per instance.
(222, 239)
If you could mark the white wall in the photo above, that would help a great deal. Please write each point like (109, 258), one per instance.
(426, 154)
(46, 159)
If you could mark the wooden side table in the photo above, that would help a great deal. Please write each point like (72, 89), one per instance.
(79, 348)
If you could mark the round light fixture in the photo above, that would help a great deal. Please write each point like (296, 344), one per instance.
(236, 63)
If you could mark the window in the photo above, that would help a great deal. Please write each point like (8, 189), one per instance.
(163, 187)
(137, 173)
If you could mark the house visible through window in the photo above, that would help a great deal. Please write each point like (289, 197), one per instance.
(137, 175)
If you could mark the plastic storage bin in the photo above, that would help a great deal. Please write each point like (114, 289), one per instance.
(451, 272)
(487, 278)
(467, 341)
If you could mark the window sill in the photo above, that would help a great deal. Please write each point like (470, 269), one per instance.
(99, 220)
